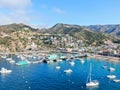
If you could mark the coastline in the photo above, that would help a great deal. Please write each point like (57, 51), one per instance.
(27, 52)
(108, 58)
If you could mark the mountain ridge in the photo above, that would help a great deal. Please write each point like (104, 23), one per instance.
(81, 33)
(15, 27)
(110, 29)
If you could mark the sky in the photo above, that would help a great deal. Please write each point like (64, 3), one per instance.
(46, 13)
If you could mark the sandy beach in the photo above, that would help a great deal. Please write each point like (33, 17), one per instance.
(108, 58)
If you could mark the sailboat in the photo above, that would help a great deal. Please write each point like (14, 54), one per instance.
(90, 82)
(111, 76)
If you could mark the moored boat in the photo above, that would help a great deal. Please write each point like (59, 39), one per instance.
(112, 69)
(12, 61)
(111, 76)
(90, 82)
(5, 71)
(72, 63)
(116, 80)
(58, 67)
(105, 67)
(68, 71)
(22, 63)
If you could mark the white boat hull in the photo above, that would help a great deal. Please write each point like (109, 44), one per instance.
(111, 76)
(112, 69)
(57, 67)
(116, 80)
(72, 63)
(68, 71)
(92, 84)
(5, 71)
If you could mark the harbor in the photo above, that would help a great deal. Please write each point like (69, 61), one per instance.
(36, 72)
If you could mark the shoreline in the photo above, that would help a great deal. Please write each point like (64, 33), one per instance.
(42, 52)
(107, 58)
(27, 52)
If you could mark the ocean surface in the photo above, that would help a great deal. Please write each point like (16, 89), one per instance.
(43, 76)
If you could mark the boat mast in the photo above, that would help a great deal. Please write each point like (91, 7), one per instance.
(90, 71)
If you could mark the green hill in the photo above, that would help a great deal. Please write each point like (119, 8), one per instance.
(82, 33)
(15, 27)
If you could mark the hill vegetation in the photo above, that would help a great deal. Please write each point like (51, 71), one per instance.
(20, 37)
(82, 33)
(110, 29)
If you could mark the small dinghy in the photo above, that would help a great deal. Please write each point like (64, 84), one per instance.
(57, 67)
(68, 71)
(105, 67)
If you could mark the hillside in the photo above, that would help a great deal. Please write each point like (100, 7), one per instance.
(15, 27)
(81, 33)
(110, 29)
(20, 37)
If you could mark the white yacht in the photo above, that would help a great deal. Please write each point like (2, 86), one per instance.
(90, 82)
(12, 61)
(59, 60)
(111, 76)
(82, 61)
(68, 71)
(4, 71)
(58, 67)
(72, 63)
(116, 80)
(3, 56)
(50, 61)
(112, 69)
(8, 59)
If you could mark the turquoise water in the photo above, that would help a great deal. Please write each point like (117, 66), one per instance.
(45, 76)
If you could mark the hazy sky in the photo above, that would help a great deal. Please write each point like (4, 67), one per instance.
(50, 12)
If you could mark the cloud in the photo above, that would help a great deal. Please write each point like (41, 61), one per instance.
(59, 11)
(18, 11)
(14, 17)
(15, 4)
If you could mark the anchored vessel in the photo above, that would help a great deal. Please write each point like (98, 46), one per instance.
(4, 70)
(91, 82)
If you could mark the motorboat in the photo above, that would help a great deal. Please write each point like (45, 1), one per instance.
(8, 59)
(105, 67)
(111, 76)
(59, 60)
(12, 61)
(68, 71)
(3, 56)
(90, 82)
(116, 80)
(82, 61)
(4, 71)
(23, 63)
(112, 69)
(50, 61)
(58, 67)
(72, 63)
